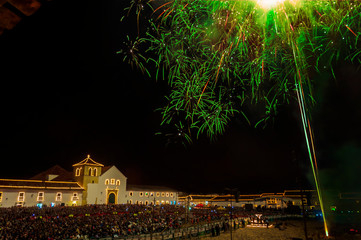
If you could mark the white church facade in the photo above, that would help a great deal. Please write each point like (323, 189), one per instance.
(90, 182)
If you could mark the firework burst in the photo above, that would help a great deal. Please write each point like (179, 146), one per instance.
(219, 55)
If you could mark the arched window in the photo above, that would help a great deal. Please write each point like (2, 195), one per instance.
(146, 202)
(130, 201)
(140, 202)
(162, 194)
(157, 194)
(90, 172)
(131, 194)
(141, 194)
(95, 172)
(58, 196)
(106, 181)
(171, 194)
(166, 202)
(75, 197)
(167, 194)
(118, 182)
(77, 172)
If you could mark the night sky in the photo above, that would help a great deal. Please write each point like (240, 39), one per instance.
(65, 93)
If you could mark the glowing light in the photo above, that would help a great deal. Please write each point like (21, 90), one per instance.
(267, 4)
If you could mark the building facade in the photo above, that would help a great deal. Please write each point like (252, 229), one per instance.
(90, 182)
(16, 192)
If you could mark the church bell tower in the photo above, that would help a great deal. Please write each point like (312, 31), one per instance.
(87, 172)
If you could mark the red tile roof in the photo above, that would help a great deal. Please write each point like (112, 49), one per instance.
(63, 175)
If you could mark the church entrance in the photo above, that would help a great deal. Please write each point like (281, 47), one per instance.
(112, 196)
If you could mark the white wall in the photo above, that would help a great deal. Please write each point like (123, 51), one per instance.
(10, 197)
(133, 196)
(97, 192)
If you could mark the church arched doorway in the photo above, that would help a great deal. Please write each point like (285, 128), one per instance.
(111, 198)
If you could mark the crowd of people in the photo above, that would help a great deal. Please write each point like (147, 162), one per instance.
(99, 221)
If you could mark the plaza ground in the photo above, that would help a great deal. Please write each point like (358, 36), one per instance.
(293, 230)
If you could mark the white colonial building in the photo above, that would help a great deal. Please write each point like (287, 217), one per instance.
(89, 183)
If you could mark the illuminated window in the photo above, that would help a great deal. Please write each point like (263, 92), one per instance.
(162, 194)
(162, 202)
(40, 196)
(130, 201)
(95, 172)
(136, 202)
(131, 194)
(157, 194)
(21, 197)
(146, 202)
(151, 194)
(106, 181)
(77, 172)
(141, 194)
(171, 194)
(75, 197)
(151, 203)
(167, 202)
(118, 182)
(1, 196)
(112, 181)
(167, 194)
(90, 173)
(146, 194)
(140, 202)
(157, 202)
(58, 196)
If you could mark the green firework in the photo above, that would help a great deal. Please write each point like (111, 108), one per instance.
(219, 55)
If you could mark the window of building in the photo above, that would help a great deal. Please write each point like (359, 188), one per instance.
(152, 203)
(112, 181)
(90, 173)
(95, 172)
(167, 194)
(77, 172)
(157, 194)
(106, 181)
(171, 194)
(21, 197)
(151, 194)
(140, 202)
(1, 196)
(157, 203)
(163, 194)
(141, 194)
(167, 202)
(75, 197)
(130, 201)
(58, 196)
(118, 182)
(131, 194)
(146, 194)
(146, 202)
(40, 196)
(137, 202)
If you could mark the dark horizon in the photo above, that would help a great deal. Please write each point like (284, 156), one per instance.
(66, 94)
